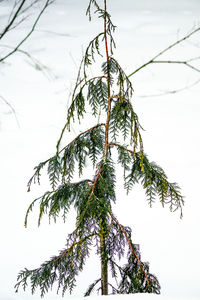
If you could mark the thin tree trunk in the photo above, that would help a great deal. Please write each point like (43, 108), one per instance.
(104, 259)
(104, 267)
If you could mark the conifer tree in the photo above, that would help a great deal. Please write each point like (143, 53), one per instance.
(115, 141)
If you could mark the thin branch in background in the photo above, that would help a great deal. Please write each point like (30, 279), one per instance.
(36, 63)
(54, 33)
(7, 28)
(153, 60)
(47, 3)
(170, 92)
(11, 108)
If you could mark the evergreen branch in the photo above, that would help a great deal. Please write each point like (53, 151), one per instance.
(82, 133)
(152, 60)
(52, 202)
(78, 83)
(67, 251)
(58, 269)
(154, 181)
(77, 137)
(90, 50)
(100, 194)
(88, 11)
(124, 120)
(36, 175)
(30, 208)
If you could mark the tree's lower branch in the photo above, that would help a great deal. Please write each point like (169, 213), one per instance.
(130, 244)
(67, 251)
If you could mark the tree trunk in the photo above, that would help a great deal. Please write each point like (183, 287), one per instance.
(104, 267)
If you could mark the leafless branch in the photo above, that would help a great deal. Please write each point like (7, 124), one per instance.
(177, 62)
(153, 60)
(47, 3)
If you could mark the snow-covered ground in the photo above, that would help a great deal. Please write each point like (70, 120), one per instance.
(171, 138)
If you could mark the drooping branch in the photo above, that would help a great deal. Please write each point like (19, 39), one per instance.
(67, 251)
(153, 60)
(77, 137)
(129, 243)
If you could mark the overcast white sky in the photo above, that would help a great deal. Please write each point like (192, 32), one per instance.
(171, 136)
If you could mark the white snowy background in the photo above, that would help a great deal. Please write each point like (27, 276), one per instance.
(171, 137)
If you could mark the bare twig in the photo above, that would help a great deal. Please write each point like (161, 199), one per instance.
(153, 60)
(177, 62)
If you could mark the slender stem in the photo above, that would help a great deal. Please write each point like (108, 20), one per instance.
(104, 260)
